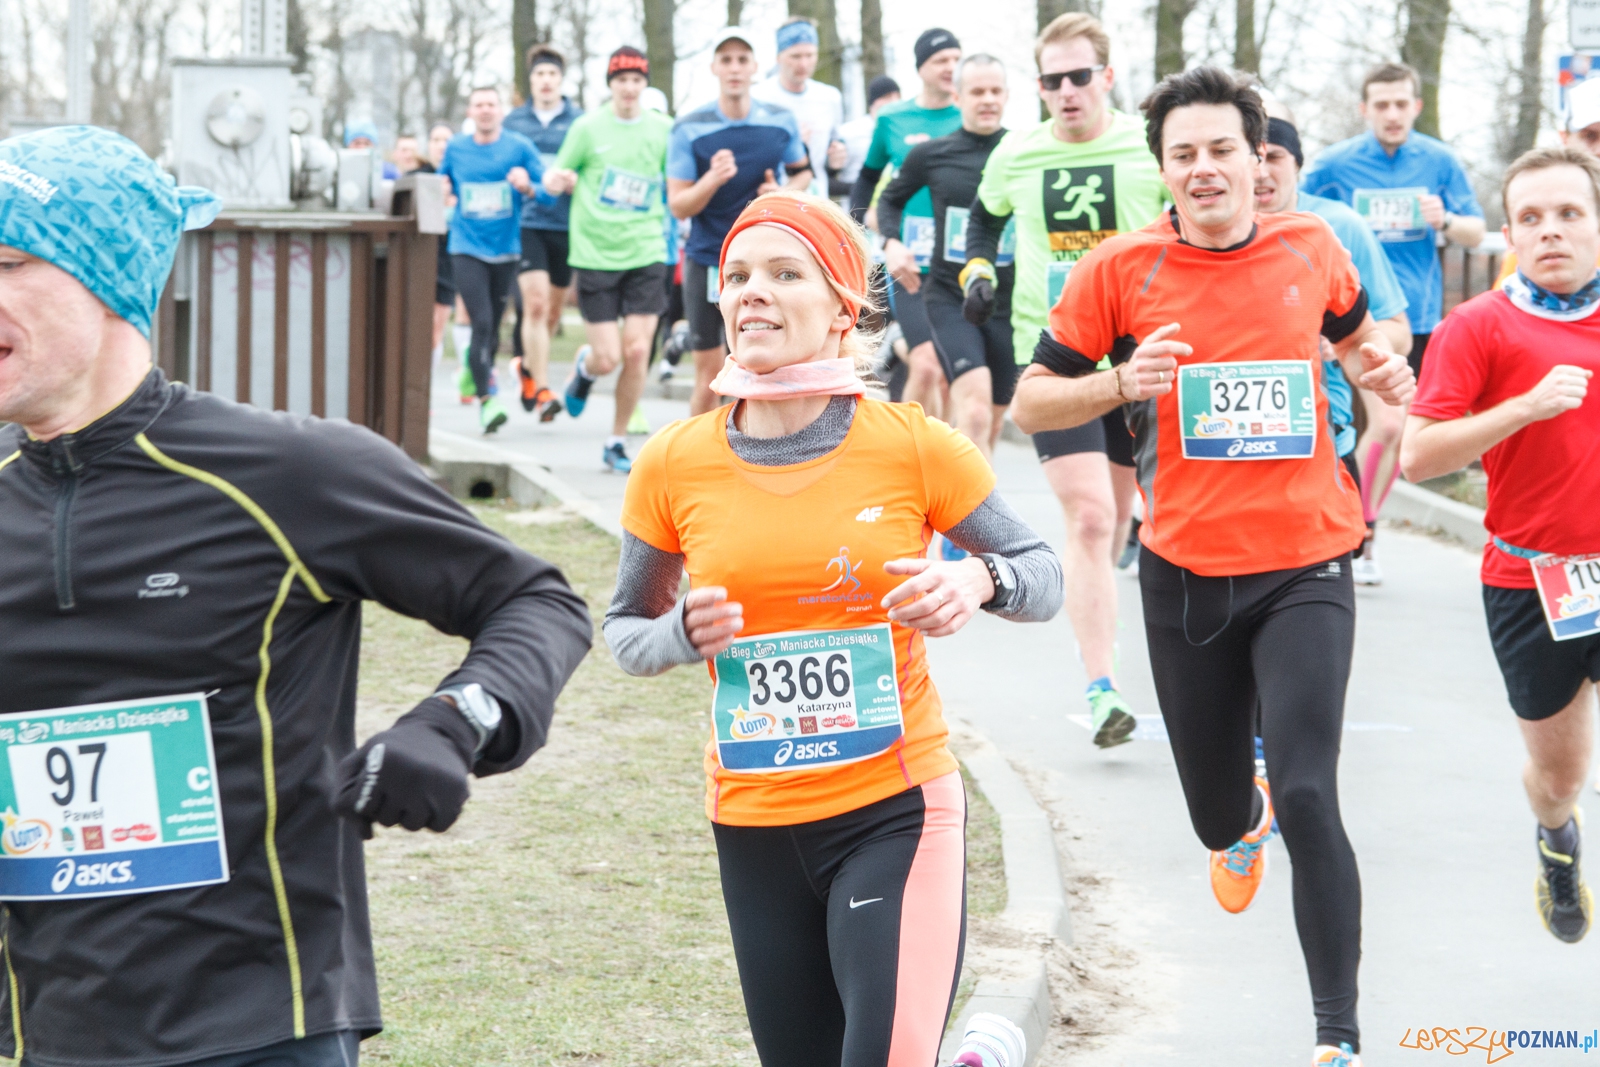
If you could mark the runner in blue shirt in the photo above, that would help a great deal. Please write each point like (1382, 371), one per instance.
(543, 274)
(489, 171)
(1276, 181)
(722, 156)
(1409, 187)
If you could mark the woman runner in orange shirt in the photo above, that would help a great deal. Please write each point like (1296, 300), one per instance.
(803, 514)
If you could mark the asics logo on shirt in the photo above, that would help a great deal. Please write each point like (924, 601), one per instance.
(854, 903)
(869, 514)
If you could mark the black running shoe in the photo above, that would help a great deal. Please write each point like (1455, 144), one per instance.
(1564, 900)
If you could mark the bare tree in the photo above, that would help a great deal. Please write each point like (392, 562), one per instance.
(129, 69)
(1047, 11)
(872, 64)
(735, 12)
(524, 35)
(830, 54)
(1246, 47)
(1423, 48)
(298, 35)
(1528, 96)
(659, 45)
(1170, 17)
(577, 17)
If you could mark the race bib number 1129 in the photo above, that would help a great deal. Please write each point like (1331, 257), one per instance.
(109, 799)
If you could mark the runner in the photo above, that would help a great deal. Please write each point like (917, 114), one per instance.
(857, 133)
(818, 108)
(977, 360)
(1509, 381)
(1412, 190)
(1250, 518)
(721, 157)
(488, 173)
(615, 158)
(839, 817)
(1277, 189)
(1580, 130)
(444, 286)
(181, 580)
(1070, 183)
(543, 273)
(900, 128)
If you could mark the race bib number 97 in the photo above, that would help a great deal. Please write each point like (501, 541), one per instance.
(1240, 411)
(807, 698)
(109, 799)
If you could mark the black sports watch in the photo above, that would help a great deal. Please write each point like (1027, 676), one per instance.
(481, 710)
(1005, 582)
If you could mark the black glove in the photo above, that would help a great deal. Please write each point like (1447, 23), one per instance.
(979, 304)
(414, 773)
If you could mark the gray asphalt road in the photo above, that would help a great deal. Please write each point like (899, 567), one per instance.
(1431, 792)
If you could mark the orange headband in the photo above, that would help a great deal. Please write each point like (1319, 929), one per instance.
(830, 244)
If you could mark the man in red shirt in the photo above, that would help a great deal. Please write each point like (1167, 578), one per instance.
(1510, 383)
(1250, 518)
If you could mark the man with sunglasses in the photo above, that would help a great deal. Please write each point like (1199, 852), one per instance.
(1071, 183)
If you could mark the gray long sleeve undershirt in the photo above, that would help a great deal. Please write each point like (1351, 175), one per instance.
(644, 623)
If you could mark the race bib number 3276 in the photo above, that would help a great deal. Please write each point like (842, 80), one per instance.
(1239, 411)
(806, 699)
(109, 799)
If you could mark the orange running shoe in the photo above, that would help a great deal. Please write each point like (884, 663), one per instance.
(530, 388)
(1236, 872)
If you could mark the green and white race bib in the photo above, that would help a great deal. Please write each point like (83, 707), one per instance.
(486, 200)
(955, 238)
(622, 191)
(713, 285)
(1055, 280)
(916, 233)
(1393, 214)
(806, 698)
(1265, 410)
(109, 799)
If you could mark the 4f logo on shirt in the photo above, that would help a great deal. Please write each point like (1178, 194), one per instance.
(1080, 206)
(847, 572)
(869, 514)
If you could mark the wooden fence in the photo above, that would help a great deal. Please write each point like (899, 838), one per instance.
(1466, 274)
(318, 314)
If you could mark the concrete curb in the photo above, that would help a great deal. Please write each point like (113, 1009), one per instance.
(462, 462)
(1432, 511)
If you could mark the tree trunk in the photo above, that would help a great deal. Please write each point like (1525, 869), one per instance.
(1170, 16)
(1532, 66)
(298, 37)
(1049, 10)
(660, 46)
(524, 35)
(830, 55)
(1246, 51)
(871, 40)
(1423, 48)
(735, 12)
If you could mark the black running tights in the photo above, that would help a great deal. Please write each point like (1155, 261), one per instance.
(1283, 638)
(484, 288)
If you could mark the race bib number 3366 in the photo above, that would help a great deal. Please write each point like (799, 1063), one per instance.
(806, 698)
(109, 799)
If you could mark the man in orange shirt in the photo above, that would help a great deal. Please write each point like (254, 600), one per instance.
(1250, 518)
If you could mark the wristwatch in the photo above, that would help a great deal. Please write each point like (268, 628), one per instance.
(481, 710)
(1448, 220)
(1005, 583)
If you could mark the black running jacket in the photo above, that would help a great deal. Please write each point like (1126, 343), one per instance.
(184, 544)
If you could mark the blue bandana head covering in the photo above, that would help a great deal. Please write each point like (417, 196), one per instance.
(360, 129)
(92, 203)
(1535, 299)
(793, 33)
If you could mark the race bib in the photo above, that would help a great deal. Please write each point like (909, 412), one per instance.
(1393, 214)
(622, 191)
(916, 233)
(107, 800)
(486, 200)
(1055, 280)
(955, 238)
(1569, 590)
(713, 285)
(806, 698)
(1265, 410)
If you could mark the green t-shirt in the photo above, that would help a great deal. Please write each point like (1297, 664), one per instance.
(619, 207)
(899, 129)
(1066, 198)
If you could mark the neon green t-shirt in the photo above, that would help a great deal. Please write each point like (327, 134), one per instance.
(619, 207)
(1066, 199)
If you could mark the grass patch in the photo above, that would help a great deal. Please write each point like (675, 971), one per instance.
(573, 915)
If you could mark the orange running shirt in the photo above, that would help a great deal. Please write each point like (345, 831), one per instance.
(1239, 512)
(802, 547)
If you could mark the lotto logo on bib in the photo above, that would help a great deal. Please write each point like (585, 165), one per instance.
(838, 685)
(1080, 206)
(131, 784)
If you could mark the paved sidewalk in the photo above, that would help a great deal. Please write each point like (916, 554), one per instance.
(1431, 789)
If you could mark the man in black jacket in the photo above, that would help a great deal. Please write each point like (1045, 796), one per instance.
(181, 582)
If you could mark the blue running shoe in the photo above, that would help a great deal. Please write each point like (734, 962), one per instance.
(615, 457)
(578, 386)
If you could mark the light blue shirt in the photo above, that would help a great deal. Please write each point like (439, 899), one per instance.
(1422, 162)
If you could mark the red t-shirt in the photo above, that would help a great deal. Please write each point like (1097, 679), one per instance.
(1544, 480)
(1215, 503)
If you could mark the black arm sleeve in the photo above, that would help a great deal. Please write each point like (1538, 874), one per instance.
(861, 192)
(911, 179)
(983, 232)
(1337, 327)
(370, 526)
(1056, 357)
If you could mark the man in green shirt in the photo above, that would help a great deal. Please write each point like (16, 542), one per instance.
(900, 128)
(1083, 176)
(613, 161)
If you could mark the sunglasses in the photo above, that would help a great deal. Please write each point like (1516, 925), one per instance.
(1080, 77)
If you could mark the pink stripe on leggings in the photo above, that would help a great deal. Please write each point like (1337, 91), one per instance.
(930, 926)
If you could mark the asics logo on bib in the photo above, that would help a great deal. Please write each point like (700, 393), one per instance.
(68, 873)
(869, 514)
(1253, 448)
(812, 750)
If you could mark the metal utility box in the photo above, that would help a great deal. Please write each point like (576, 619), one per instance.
(230, 129)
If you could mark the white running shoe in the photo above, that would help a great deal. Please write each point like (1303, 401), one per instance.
(991, 1041)
(1366, 571)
